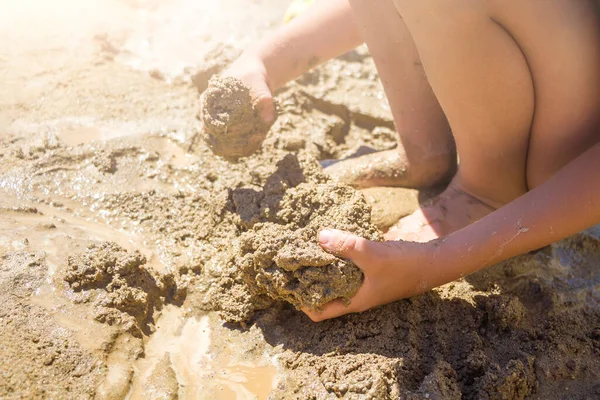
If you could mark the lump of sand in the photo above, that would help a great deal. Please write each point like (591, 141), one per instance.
(232, 125)
(124, 291)
(282, 258)
(276, 256)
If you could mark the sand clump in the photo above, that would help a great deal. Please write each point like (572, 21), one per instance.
(283, 259)
(123, 291)
(232, 125)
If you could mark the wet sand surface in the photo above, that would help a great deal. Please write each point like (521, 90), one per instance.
(136, 264)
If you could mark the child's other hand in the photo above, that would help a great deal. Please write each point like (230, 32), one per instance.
(242, 127)
(251, 71)
(392, 271)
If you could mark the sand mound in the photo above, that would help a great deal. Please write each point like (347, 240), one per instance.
(122, 290)
(277, 256)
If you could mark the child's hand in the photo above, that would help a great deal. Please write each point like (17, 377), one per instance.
(237, 109)
(251, 71)
(392, 271)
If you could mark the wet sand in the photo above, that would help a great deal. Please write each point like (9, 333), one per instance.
(118, 223)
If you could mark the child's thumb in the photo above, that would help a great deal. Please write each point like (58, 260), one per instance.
(264, 103)
(344, 244)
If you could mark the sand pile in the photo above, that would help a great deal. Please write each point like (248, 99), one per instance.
(277, 256)
(122, 290)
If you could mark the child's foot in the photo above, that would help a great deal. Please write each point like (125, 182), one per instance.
(452, 210)
(392, 168)
(383, 168)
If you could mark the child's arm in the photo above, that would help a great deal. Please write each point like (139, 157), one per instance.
(326, 30)
(564, 205)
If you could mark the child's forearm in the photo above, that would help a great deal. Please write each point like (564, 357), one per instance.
(326, 30)
(564, 205)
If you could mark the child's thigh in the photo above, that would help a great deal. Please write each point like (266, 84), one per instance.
(518, 80)
(560, 40)
(484, 86)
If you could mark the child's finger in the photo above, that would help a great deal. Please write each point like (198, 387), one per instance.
(332, 309)
(266, 108)
(346, 245)
(263, 99)
(359, 302)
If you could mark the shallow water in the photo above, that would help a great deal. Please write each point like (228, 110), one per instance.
(206, 367)
(204, 370)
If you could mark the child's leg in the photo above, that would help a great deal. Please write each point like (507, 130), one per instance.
(426, 151)
(520, 84)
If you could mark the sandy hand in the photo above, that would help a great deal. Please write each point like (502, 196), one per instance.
(236, 111)
(253, 75)
(392, 270)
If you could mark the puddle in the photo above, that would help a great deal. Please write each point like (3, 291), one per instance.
(53, 230)
(172, 152)
(77, 135)
(203, 370)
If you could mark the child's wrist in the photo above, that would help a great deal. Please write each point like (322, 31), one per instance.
(422, 264)
(432, 265)
(449, 259)
(253, 60)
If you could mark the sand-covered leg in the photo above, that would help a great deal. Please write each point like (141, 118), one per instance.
(384, 168)
(485, 63)
(425, 154)
(462, 48)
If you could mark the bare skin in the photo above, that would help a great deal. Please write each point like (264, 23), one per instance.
(438, 218)
(426, 153)
(397, 269)
(517, 82)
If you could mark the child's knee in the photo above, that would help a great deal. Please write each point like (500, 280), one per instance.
(434, 169)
